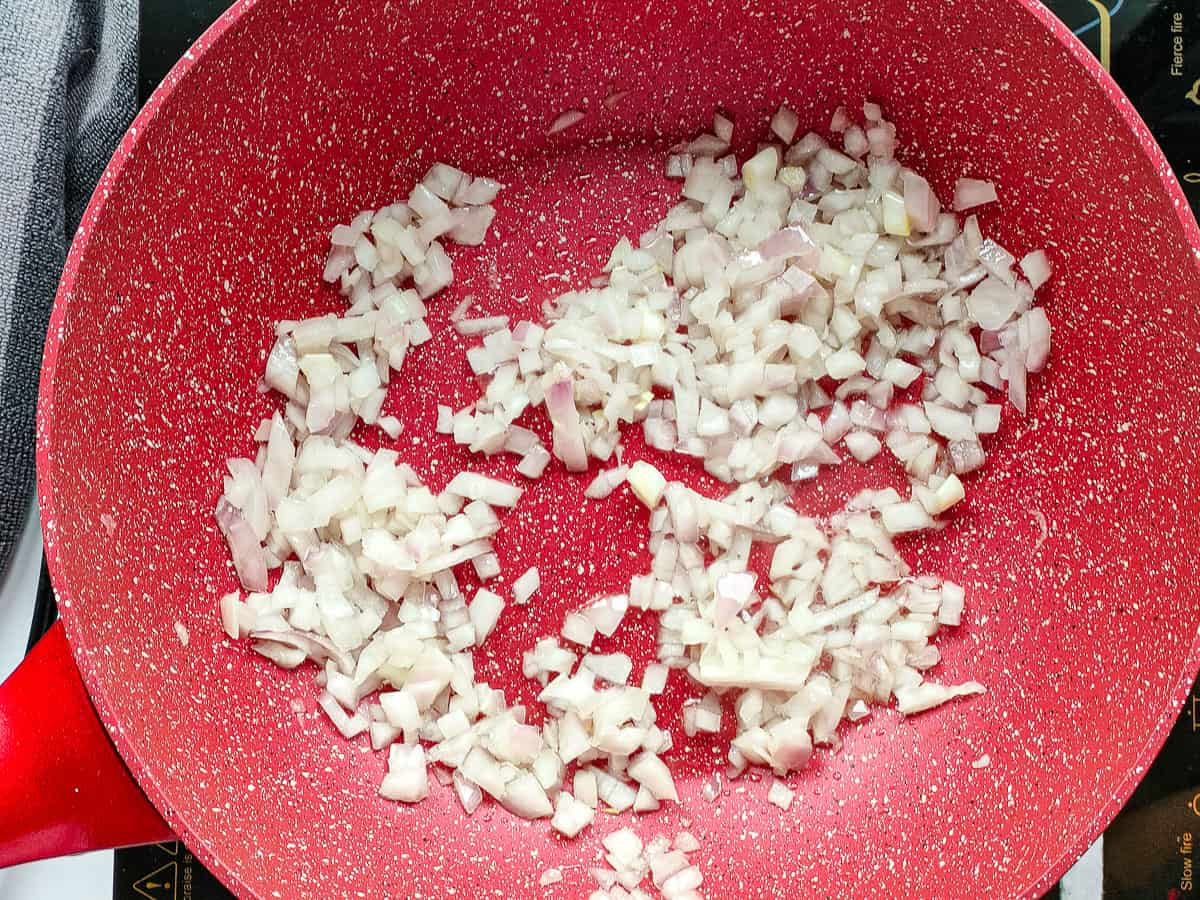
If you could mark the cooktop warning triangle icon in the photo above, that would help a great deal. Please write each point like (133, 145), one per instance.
(159, 884)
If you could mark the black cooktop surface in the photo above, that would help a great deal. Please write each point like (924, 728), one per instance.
(1152, 47)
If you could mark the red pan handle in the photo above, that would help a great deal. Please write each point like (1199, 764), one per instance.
(63, 788)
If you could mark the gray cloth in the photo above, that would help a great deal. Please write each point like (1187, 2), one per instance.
(68, 79)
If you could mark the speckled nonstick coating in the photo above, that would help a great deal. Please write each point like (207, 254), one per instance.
(287, 117)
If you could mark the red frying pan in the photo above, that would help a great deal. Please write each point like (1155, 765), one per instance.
(211, 224)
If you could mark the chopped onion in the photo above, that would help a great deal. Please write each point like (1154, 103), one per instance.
(230, 619)
(249, 559)
(570, 816)
(469, 794)
(406, 779)
(470, 327)
(525, 586)
(479, 487)
(992, 303)
(349, 726)
(970, 192)
(568, 436)
(772, 315)
(780, 795)
(606, 482)
(918, 698)
(565, 120)
(485, 613)
(784, 124)
(647, 483)
(1036, 267)
(652, 773)
(920, 202)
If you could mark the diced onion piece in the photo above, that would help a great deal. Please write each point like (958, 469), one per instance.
(525, 797)
(780, 795)
(927, 695)
(1036, 266)
(443, 180)
(951, 607)
(760, 169)
(654, 679)
(682, 883)
(578, 629)
(485, 612)
(469, 794)
(844, 363)
(863, 445)
(534, 461)
(664, 865)
(652, 773)
(481, 326)
(647, 483)
(895, 214)
(900, 373)
(349, 725)
(491, 491)
(992, 303)
(248, 556)
(613, 667)
(565, 120)
(645, 801)
(570, 816)
(950, 423)
(471, 224)
(783, 125)
(479, 192)
(568, 437)
(949, 492)
(920, 202)
(971, 192)
(606, 482)
(607, 612)
(525, 586)
(230, 619)
(407, 779)
(899, 518)
(401, 710)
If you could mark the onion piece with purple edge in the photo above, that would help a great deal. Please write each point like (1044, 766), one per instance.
(314, 646)
(249, 558)
(791, 242)
(566, 120)
(971, 192)
(568, 435)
